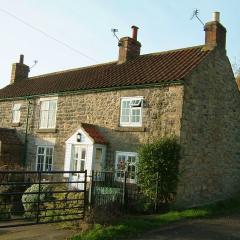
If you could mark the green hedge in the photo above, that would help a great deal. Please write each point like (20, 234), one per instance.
(158, 168)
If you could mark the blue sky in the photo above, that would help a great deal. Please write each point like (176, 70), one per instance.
(85, 26)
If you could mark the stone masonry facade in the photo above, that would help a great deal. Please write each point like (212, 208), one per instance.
(210, 133)
(161, 116)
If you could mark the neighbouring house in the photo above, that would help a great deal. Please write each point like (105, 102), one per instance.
(11, 149)
(96, 117)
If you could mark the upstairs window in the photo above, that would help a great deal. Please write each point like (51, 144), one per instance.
(44, 158)
(131, 111)
(16, 113)
(48, 109)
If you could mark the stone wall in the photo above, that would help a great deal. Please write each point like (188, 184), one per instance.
(210, 133)
(161, 116)
(11, 156)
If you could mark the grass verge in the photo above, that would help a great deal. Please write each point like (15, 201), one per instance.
(134, 226)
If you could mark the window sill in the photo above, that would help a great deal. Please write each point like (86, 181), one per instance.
(130, 129)
(47, 130)
(16, 124)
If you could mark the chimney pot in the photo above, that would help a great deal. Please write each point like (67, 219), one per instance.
(134, 32)
(216, 16)
(21, 60)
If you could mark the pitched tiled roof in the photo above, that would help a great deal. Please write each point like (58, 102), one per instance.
(145, 69)
(9, 136)
(94, 133)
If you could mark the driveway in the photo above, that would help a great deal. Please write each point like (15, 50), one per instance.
(218, 228)
(35, 232)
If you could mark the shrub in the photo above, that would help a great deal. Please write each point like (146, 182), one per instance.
(158, 169)
(5, 206)
(10, 203)
(30, 198)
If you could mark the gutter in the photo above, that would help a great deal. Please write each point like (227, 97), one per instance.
(74, 92)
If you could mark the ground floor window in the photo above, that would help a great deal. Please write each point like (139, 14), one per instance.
(98, 159)
(44, 158)
(126, 162)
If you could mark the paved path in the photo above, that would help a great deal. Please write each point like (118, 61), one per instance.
(221, 228)
(35, 232)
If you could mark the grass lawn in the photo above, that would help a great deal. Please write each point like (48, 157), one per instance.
(134, 226)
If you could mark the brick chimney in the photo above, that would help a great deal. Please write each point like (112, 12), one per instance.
(129, 47)
(215, 32)
(19, 71)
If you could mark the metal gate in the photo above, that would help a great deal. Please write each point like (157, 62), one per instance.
(34, 197)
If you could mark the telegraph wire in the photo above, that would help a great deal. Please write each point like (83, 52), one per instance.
(47, 35)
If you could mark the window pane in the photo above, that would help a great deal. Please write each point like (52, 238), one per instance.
(40, 162)
(40, 150)
(125, 111)
(75, 165)
(83, 154)
(125, 119)
(49, 151)
(16, 106)
(48, 114)
(44, 105)
(98, 159)
(44, 119)
(82, 165)
(135, 118)
(48, 165)
(52, 114)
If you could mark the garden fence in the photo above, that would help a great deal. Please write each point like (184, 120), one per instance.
(50, 199)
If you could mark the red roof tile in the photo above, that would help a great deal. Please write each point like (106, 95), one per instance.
(9, 136)
(145, 69)
(94, 133)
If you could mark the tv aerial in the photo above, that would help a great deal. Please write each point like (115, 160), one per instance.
(195, 15)
(114, 31)
(34, 64)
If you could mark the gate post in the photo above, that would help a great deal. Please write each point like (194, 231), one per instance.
(90, 197)
(156, 193)
(124, 197)
(85, 193)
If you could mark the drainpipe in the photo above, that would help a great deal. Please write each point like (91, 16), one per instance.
(26, 136)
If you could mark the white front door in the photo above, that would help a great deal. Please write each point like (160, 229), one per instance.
(78, 164)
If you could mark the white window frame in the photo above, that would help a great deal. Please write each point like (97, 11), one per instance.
(48, 125)
(136, 103)
(100, 160)
(16, 112)
(44, 157)
(126, 154)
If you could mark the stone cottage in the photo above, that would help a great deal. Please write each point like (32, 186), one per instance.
(96, 117)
